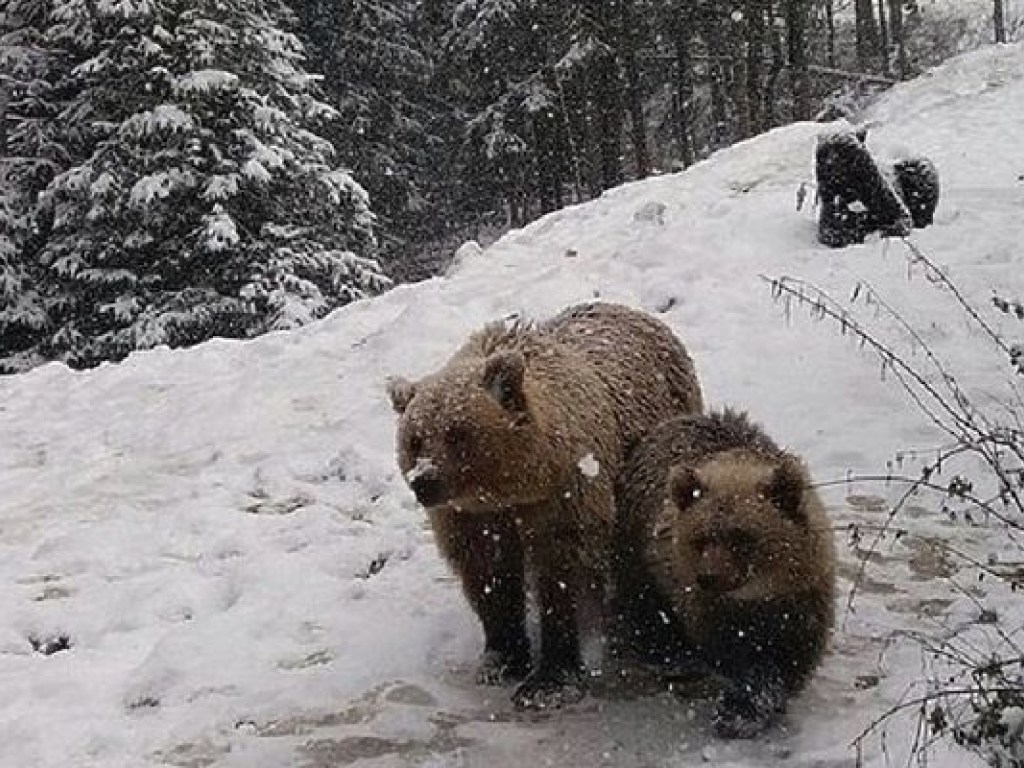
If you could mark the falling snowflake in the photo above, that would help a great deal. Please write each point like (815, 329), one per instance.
(589, 466)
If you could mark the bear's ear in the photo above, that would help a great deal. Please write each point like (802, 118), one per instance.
(401, 391)
(786, 488)
(503, 379)
(685, 486)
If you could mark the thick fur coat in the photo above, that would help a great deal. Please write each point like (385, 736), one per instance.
(726, 562)
(513, 448)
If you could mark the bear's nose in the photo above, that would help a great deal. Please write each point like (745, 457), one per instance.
(427, 487)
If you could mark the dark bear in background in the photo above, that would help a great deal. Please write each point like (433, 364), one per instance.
(917, 181)
(725, 564)
(858, 197)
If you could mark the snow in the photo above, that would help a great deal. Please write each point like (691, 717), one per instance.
(126, 8)
(204, 81)
(589, 466)
(220, 232)
(267, 119)
(157, 186)
(167, 118)
(219, 553)
(422, 467)
(254, 171)
(224, 187)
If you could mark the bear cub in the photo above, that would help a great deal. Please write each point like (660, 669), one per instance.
(725, 564)
(513, 448)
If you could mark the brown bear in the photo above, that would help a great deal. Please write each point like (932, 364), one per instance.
(513, 448)
(725, 563)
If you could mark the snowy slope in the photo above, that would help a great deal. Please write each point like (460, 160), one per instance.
(221, 536)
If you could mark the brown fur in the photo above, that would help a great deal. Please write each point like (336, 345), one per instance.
(499, 446)
(726, 559)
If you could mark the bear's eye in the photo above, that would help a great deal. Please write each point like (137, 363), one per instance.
(415, 444)
(741, 543)
(457, 438)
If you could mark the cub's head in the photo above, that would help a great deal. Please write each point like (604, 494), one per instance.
(467, 439)
(733, 527)
(842, 159)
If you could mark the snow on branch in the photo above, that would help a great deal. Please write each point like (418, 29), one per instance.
(163, 118)
(204, 81)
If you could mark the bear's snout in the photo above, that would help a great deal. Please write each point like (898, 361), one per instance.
(717, 570)
(426, 484)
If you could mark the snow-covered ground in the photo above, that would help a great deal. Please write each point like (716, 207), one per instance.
(222, 540)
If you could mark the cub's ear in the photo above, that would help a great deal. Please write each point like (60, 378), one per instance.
(786, 488)
(401, 391)
(503, 379)
(685, 486)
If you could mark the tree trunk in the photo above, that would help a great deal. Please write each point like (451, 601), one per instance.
(896, 33)
(570, 143)
(736, 26)
(999, 19)
(684, 91)
(755, 62)
(830, 21)
(607, 102)
(608, 117)
(634, 95)
(884, 37)
(769, 109)
(796, 32)
(717, 57)
(5, 100)
(867, 35)
(547, 168)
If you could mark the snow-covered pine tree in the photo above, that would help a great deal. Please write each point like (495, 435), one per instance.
(375, 74)
(201, 202)
(505, 53)
(29, 158)
(545, 95)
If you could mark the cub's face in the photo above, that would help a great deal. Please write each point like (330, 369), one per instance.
(733, 527)
(843, 158)
(466, 439)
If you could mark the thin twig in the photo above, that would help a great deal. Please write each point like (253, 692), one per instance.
(951, 286)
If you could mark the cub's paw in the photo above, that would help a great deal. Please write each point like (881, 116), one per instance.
(550, 690)
(729, 723)
(497, 668)
(745, 710)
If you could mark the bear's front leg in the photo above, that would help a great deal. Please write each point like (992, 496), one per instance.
(559, 676)
(750, 702)
(487, 554)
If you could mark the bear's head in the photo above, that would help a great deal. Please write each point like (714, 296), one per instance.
(467, 437)
(842, 160)
(734, 527)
